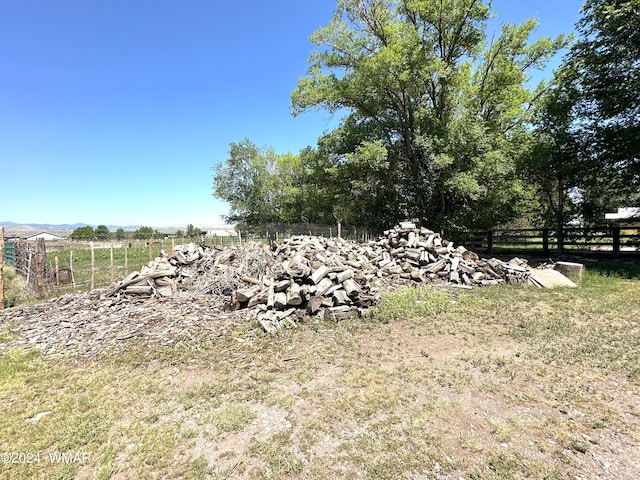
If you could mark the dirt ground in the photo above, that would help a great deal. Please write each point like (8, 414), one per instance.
(493, 384)
(465, 405)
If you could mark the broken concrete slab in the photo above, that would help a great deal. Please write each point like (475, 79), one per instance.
(549, 278)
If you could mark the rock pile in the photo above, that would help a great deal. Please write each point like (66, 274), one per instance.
(160, 277)
(316, 275)
(339, 278)
(195, 289)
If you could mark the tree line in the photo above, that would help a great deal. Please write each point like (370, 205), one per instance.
(441, 122)
(102, 232)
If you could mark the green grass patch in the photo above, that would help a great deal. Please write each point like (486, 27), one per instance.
(419, 303)
(234, 418)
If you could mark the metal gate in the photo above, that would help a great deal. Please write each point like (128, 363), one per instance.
(9, 256)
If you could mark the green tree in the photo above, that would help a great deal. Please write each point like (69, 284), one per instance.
(102, 232)
(262, 186)
(602, 74)
(436, 113)
(555, 166)
(120, 234)
(83, 233)
(193, 231)
(244, 180)
(143, 233)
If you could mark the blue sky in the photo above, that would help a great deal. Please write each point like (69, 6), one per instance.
(115, 112)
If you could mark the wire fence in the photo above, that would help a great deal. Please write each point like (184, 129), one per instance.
(68, 266)
(278, 231)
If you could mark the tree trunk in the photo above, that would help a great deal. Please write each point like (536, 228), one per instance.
(560, 215)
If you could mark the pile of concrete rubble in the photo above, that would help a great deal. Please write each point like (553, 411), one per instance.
(314, 275)
(195, 292)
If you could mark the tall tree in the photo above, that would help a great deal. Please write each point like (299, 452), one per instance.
(555, 165)
(436, 112)
(102, 232)
(262, 186)
(143, 233)
(245, 180)
(83, 233)
(602, 72)
(193, 231)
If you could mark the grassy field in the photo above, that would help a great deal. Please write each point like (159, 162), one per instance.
(495, 383)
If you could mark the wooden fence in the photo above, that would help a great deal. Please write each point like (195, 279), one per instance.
(608, 240)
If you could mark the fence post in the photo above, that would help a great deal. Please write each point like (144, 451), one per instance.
(616, 240)
(1, 268)
(545, 241)
(560, 239)
(93, 266)
(126, 257)
(21, 257)
(490, 241)
(29, 259)
(73, 277)
(111, 269)
(57, 262)
(41, 268)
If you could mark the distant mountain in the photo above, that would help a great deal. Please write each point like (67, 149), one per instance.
(29, 228)
(43, 226)
(126, 228)
(64, 229)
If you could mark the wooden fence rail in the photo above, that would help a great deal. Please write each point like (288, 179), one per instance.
(612, 240)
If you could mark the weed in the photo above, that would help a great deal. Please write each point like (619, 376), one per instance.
(279, 456)
(420, 304)
(579, 446)
(16, 290)
(234, 418)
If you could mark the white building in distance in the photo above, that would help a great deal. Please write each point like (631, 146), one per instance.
(45, 235)
(625, 213)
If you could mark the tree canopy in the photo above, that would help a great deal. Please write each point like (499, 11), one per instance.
(262, 186)
(436, 109)
(193, 231)
(440, 122)
(144, 233)
(102, 232)
(601, 77)
(83, 233)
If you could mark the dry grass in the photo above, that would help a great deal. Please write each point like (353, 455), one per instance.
(496, 383)
(16, 290)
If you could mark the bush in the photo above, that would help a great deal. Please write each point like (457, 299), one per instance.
(16, 290)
